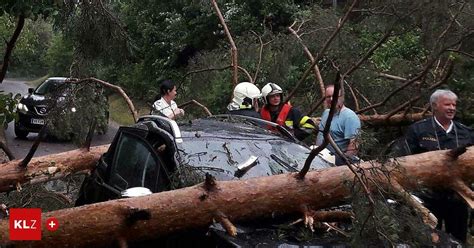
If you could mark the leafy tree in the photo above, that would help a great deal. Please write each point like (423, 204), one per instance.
(7, 107)
(22, 10)
(59, 55)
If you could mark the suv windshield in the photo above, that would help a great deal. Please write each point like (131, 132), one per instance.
(49, 86)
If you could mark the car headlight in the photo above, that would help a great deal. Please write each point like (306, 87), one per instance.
(22, 108)
(73, 109)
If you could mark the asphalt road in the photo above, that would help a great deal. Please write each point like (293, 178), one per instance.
(20, 147)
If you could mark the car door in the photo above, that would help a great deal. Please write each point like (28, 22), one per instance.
(136, 164)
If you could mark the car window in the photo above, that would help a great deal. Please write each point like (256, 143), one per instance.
(48, 86)
(135, 165)
(52, 86)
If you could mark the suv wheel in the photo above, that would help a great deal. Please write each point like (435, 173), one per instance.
(20, 133)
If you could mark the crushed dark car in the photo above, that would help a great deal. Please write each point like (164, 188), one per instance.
(34, 108)
(157, 155)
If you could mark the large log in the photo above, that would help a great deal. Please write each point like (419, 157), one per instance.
(394, 120)
(197, 206)
(49, 167)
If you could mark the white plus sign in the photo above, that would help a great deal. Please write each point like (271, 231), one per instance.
(52, 224)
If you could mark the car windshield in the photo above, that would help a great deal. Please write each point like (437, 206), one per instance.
(48, 86)
(221, 147)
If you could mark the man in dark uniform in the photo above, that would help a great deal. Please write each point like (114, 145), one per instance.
(441, 132)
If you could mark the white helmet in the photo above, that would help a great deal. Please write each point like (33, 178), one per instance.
(271, 89)
(244, 93)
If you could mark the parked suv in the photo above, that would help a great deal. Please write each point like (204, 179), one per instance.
(158, 155)
(34, 107)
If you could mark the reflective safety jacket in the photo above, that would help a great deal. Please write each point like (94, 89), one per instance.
(280, 118)
(290, 118)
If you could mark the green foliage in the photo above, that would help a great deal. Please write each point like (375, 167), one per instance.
(7, 107)
(58, 57)
(73, 116)
(30, 8)
(30, 49)
(462, 83)
(384, 224)
(397, 49)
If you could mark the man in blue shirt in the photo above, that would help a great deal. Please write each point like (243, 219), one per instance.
(344, 129)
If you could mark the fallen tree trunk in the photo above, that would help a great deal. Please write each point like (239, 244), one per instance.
(163, 213)
(394, 120)
(50, 167)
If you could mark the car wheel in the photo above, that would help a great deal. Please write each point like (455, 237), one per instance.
(21, 133)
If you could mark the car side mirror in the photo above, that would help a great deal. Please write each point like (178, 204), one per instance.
(30, 90)
(135, 192)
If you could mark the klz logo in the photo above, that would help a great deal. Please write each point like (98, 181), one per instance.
(25, 224)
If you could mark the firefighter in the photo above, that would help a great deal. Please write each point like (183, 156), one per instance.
(245, 100)
(275, 110)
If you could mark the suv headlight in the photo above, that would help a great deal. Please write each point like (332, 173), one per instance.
(22, 108)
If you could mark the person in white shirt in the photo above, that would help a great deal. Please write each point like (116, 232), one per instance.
(166, 105)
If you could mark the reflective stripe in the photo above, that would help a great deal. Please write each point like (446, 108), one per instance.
(242, 106)
(289, 123)
(304, 120)
(305, 124)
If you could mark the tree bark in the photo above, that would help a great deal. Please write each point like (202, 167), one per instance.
(10, 45)
(49, 167)
(55, 166)
(394, 120)
(108, 222)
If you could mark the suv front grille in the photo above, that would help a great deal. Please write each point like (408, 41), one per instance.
(41, 110)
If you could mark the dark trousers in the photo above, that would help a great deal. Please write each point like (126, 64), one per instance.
(452, 211)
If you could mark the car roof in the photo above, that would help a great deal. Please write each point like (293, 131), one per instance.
(221, 147)
(57, 78)
(229, 148)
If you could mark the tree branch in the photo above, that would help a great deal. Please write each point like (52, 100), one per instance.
(196, 103)
(118, 89)
(233, 47)
(326, 135)
(461, 52)
(433, 86)
(317, 73)
(356, 100)
(339, 26)
(260, 53)
(11, 45)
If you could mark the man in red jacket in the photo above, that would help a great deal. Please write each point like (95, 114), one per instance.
(275, 110)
